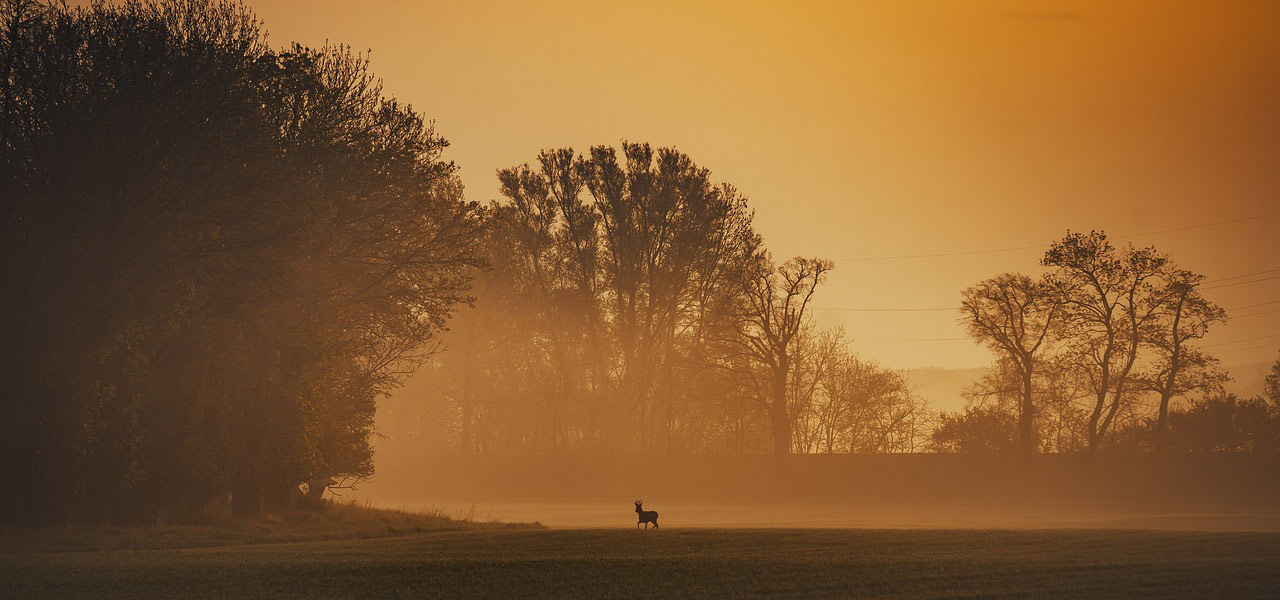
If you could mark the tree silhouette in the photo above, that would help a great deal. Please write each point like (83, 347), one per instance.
(1110, 298)
(1179, 367)
(226, 254)
(774, 310)
(1015, 315)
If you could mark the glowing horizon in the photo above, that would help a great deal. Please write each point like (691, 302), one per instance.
(869, 130)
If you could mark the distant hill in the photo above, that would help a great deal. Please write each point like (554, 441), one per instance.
(1247, 378)
(943, 387)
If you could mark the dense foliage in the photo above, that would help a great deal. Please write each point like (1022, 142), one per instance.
(630, 306)
(216, 257)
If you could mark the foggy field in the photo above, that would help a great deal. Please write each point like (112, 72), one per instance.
(883, 515)
(676, 563)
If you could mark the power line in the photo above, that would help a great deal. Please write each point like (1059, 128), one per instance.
(940, 254)
(1265, 312)
(1249, 348)
(957, 339)
(1254, 305)
(1252, 339)
(1214, 287)
(1240, 276)
(845, 309)
(956, 308)
(1201, 226)
(1040, 246)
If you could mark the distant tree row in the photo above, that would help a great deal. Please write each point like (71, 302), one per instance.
(628, 306)
(1094, 353)
(215, 257)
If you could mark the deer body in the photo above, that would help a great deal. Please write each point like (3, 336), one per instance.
(645, 516)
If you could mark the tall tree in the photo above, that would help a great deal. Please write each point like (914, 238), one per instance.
(1179, 367)
(1110, 299)
(615, 266)
(776, 301)
(1015, 316)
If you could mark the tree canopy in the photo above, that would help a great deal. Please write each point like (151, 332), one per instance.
(221, 255)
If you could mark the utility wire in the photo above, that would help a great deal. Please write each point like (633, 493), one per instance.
(956, 308)
(956, 339)
(1038, 246)
(1265, 312)
(1201, 226)
(1240, 276)
(1214, 287)
(952, 308)
(1016, 248)
(1254, 305)
(1252, 339)
(1249, 348)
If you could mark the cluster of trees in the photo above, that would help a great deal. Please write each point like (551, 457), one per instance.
(218, 256)
(1093, 353)
(215, 256)
(630, 306)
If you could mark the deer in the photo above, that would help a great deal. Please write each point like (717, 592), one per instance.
(645, 516)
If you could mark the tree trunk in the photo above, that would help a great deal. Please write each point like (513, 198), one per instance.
(1026, 425)
(1162, 423)
(1095, 436)
(780, 424)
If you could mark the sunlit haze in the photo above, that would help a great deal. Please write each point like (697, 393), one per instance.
(657, 299)
(862, 130)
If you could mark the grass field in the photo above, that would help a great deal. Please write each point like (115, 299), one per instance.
(491, 562)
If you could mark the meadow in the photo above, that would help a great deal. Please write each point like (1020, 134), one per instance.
(465, 560)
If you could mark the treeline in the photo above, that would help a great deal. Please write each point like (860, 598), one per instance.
(629, 306)
(1099, 353)
(215, 257)
(1093, 354)
(218, 256)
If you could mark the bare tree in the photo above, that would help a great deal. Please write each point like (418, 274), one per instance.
(1110, 300)
(1015, 316)
(1180, 368)
(776, 301)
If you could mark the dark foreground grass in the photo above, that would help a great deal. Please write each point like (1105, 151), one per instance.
(670, 563)
(339, 521)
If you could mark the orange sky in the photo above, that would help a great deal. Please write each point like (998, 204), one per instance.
(864, 129)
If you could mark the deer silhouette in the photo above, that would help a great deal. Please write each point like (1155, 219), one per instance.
(645, 516)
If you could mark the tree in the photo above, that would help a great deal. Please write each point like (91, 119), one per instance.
(1015, 316)
(225, 255)
(1271, 386)
(1110, 299)
(978, 430)
(610, 276)
(1180, 368)
(1224, 423)
(775, 303)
